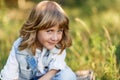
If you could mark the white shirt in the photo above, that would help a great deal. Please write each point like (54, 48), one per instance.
(11, 69)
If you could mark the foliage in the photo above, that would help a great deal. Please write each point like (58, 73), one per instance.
(94, 26)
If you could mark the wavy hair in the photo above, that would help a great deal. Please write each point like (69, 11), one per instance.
(44, 15)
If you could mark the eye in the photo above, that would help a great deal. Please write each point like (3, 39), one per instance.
(61, 30)
(49, 31)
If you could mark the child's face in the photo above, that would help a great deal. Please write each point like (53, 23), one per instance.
(50, 37)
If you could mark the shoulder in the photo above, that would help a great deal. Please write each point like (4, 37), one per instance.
(17, 42)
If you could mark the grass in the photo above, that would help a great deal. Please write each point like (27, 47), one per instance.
(95, 31)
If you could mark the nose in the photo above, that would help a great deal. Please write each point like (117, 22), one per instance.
(55, 37)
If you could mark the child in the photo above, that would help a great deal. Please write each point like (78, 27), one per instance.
(39, 53)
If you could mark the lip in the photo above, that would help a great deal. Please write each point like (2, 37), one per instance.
(51, 43)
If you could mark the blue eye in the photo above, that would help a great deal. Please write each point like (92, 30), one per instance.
(49, 30)
(60, 30)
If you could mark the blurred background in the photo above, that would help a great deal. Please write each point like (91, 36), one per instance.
(94, 26)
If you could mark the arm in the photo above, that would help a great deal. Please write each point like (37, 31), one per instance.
(49, 75)
(55, 66)
(10, 70)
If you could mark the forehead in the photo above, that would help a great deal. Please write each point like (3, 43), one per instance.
(55, 27)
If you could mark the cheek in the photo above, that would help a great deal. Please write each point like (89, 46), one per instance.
(60, 37)
(40, 38)
(43, 38)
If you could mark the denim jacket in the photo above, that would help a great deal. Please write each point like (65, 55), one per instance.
(24, 66)
(27, 65)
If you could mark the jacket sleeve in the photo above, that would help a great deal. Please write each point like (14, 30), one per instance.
(10, 70)
(58, 61)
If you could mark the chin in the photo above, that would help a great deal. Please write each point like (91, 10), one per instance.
(49, 48)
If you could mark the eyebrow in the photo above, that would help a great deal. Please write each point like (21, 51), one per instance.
(60, 27)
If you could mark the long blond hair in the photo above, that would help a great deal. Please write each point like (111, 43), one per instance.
(44, 15)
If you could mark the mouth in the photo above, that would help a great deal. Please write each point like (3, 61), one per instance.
(52, 43)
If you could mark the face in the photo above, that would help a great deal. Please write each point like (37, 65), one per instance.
(50, 37)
